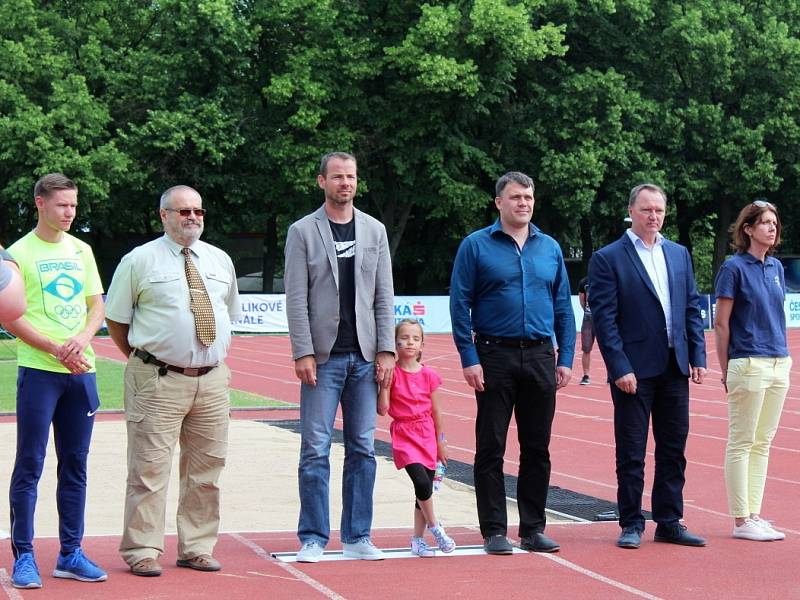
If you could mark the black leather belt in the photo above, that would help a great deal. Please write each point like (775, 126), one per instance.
(511, 342)
(148, 358)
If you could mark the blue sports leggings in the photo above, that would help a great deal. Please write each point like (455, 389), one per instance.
(69, 402)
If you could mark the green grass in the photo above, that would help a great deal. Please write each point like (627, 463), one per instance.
(109, 385)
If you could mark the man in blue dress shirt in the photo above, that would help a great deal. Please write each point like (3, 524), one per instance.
(509, 295)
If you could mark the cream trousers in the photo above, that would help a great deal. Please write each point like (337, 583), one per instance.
(756, 390)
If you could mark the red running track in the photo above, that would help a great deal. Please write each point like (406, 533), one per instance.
(589, 565)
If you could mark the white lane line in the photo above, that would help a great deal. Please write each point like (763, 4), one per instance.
(270, 576)
(602, 578)
(297, 573)
(392, 554)
(8, 587)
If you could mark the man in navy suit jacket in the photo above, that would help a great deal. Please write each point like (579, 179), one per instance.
(649, 329)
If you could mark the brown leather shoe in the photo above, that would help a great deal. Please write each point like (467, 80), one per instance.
(203, 562)
(147, 567)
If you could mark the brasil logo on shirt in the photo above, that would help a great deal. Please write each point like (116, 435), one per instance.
(60, 289)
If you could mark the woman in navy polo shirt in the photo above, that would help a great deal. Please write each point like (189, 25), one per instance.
(750, 331)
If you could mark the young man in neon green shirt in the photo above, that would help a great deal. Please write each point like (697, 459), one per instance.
(56, 380)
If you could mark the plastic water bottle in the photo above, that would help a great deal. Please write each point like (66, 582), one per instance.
(441, 468)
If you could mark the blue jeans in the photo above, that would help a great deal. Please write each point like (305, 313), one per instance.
(350, 380)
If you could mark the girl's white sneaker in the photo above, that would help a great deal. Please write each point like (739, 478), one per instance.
(444, 541)
(419, 547)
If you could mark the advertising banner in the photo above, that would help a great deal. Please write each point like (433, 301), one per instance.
(266, 313)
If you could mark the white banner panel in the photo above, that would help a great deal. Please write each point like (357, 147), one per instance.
(262, 313)
(791, 307)
(433, 312)
(266, 313)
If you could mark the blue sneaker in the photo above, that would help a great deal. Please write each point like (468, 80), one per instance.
(26, 573)
(77, 565)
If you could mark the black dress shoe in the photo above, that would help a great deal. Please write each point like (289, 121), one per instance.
(539, 542)
(677, 534)
(497, 544)
(630, 538)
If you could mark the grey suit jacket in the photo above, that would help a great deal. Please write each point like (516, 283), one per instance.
(311, 279)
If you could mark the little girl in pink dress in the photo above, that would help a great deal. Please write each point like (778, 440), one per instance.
(417, 437)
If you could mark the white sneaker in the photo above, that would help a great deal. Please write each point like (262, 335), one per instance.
(444, 541)
(363, 549)
(419, 547)
(767, 526)
(750, 530)
(311, 552)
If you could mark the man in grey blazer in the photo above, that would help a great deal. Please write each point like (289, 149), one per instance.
(340, 309)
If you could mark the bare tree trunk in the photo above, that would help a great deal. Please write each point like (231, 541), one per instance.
(269, 254)
(684, 220)
(721, 234)
(587, 246)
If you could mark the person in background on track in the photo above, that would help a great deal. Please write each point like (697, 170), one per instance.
(418, 439)
(587, 331)
(751, 340)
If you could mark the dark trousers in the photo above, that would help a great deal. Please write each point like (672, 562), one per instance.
(522, 381)
(68, 402)
(666, 398)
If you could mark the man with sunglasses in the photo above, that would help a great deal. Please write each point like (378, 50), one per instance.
(169, 309)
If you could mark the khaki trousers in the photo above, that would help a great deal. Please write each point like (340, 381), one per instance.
(161, 410)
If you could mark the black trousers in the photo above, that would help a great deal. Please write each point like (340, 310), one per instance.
(666, 399)
(522, 381)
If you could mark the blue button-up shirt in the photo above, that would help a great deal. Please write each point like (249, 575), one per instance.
(499, 290)
(758, 321)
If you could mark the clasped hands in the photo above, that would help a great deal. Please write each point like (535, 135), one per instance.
(70, 354)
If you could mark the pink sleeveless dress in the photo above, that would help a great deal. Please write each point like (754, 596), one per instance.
(412, 428)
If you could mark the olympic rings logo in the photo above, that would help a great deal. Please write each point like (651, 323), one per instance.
(68, 311)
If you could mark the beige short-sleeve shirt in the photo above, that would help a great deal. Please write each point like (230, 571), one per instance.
(149, 292)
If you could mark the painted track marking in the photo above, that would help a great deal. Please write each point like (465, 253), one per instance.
(596, 576)
(8, 587)
(297, 573)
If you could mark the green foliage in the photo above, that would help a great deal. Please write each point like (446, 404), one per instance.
(437, 99)
(110, 387)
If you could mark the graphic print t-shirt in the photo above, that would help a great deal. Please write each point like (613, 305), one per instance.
(344, 241)
(58, 279)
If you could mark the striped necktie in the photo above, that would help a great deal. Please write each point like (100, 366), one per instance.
(200, 303)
